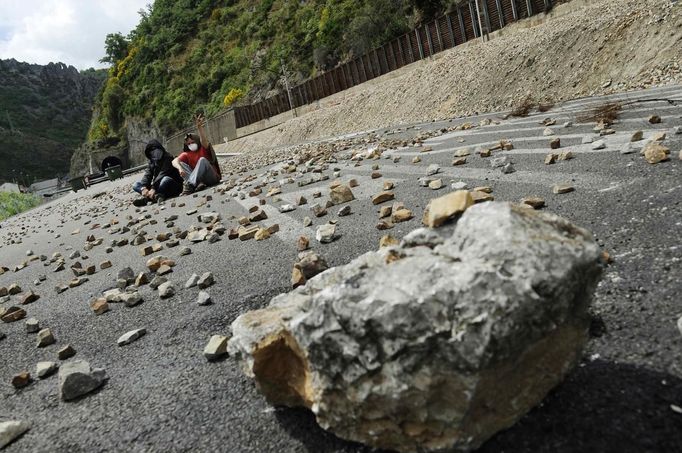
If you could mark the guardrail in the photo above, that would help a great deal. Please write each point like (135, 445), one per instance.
(468, 20)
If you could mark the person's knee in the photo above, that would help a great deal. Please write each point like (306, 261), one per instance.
(203, 162)
(138, 186)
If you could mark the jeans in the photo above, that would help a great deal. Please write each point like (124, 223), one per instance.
(168, 187)
(202, 173)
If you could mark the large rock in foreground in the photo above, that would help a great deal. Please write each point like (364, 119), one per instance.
(434, 344)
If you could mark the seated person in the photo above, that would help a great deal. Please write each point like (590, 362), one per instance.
(161, 180)
(197, 164)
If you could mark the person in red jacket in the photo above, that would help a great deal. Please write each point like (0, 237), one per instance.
(197, 164)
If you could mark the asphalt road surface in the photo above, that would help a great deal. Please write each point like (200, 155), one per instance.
(162, 394)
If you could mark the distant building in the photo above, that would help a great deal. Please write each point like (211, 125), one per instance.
(9, 187)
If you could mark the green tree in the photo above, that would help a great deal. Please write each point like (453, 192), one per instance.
(115, 48)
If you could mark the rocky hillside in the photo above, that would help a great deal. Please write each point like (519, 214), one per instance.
(45, 112)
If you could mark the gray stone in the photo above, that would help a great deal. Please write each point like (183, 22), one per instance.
(599, 144)
(45, 369)
(185, 251)
(157, 281)
(326, 233)
(311, 264)
(192, 281)
(587, 140)
(45, 338)
(498, 162)
(459, 185)
(166, 290)
(205, 280)
(508, 168)
(208, 217)
(287, 208)
(346, 210)
(12, 430)
(130, 299)
(77, 379)
(420, 349)
(432, 170)
(130, 337)
(32, 325)
(204, 298)
(216, 347)
(126, 274)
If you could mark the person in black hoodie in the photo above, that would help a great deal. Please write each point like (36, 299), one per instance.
(161, 180)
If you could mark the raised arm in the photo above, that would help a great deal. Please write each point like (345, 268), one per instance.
(200, 120)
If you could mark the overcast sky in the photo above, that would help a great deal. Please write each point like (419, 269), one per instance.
(67, 31)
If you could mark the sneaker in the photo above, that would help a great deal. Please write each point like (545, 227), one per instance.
(160, 199)
(187, 189)
(201, 186)
(139, 202)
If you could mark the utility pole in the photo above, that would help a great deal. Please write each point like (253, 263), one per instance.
(480, 23)
(285, 78)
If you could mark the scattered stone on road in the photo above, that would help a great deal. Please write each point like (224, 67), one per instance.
(205, 280)
(302, 243)
(130, 337)
(487, 331)
(204, 298)
(131, 299)
(216, 347)
(440, 210)
(45, 369)
(382, 197)
(77, 379)
(32, 325)
(66, 352)
(11, 430)
(166, 290)
(655, 153)
(326, 233)
(534, 202)
(45, 338)
(99, 306)
(562, 188)
(191, 281)
(21, 380)
(341, 194)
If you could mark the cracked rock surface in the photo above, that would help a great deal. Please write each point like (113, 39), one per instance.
(431, 345)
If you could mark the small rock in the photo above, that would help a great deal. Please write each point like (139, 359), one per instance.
(548, 131)
(440, 210)
(508, 168)
(157, 281)
(459, 185)
(77, 379)
(99, 306)
(599, 144)
(205, 280)
(534, 202)
(341, 194)
(45, 369)
(203, 298)
(45, 338)
(555, 143)
(436, 184)
(307, 221)
(302, 243)
(655, 153)
(550, 159)
(562, 188)
(326, 233)
(637, 136)
(32, 325)
(21, 380)
(192, 281)
(654, 119)
(216, 347)
(262, 234)
(287, 208)
(126, 274)
(432, 169)
(346, 210)
(141, 279)
(566, 155)
(11, 430)
(382, 197)
(66, 352)
(185, 251)
(164, 269)
(166, 290)
(130, 337)
(131, 299)
(297, 277)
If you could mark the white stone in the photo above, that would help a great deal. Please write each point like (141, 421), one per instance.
(11, 430)
(326, 233)
(44, 369)
(216, 347)
(131, 336)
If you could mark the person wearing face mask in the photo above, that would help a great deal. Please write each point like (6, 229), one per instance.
(197, 164)
(161, 180)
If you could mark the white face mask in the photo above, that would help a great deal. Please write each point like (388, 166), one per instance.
(193, 147)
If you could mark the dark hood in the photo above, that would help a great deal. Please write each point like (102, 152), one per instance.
(152, 145)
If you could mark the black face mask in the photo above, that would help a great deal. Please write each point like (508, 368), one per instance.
(156, 154)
